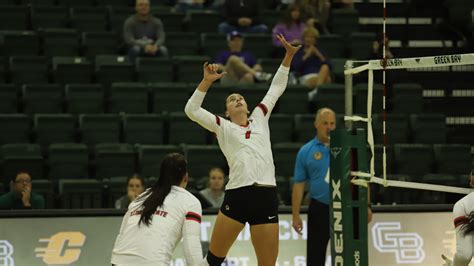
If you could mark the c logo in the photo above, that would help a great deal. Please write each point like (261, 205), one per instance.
(59, 249)
(6, 251)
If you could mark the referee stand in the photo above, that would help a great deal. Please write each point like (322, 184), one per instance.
(348, 202)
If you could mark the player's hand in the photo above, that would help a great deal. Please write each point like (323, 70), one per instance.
(290, 49)
(298, 224)
(447, 262)
(210, 72)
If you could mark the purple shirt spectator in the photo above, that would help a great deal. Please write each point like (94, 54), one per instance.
(294, 32)
(311, 65)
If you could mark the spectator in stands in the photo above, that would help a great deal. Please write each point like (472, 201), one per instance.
(291, 27)
(214, 193)
(143, 33)
(21, 196)
(135, 187)
(244, 16)
(241, 66)
(316, 14)
(311, 65)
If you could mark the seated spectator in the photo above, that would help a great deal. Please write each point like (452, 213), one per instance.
(244, 16)
(310, 64)
(316, 14)
(143, 33)
(214, 193)
(21, 196)
(291, 27)
(135, 186)
(241, 66)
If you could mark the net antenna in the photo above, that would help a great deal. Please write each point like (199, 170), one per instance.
(387, 65)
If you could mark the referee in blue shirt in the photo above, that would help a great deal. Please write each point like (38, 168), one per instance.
(312, 164)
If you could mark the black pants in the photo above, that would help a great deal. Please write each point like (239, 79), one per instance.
(318, 233)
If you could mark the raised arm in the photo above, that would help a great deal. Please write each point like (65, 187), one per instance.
(193, 107)
(280, 79)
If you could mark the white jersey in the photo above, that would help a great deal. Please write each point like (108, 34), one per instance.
(247, 148)
(179, 217)
(464, 243)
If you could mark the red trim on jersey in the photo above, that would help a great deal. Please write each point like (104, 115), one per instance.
(218, 120)
(264, 108)
(193, 216)
(460, 221)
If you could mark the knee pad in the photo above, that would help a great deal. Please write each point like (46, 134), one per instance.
(213, 260)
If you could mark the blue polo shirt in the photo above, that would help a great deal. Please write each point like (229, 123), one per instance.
(312, 163)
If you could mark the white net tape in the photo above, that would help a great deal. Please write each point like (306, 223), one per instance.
(400, 63)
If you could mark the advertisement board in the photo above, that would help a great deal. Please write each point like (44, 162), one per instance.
(394, 239)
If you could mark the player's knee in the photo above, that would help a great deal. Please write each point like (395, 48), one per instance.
(213, 260)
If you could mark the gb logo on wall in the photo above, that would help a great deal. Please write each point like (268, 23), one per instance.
(63, 248)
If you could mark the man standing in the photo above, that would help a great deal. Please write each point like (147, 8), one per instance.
(312, 164)
(20, 196)
(144, 34)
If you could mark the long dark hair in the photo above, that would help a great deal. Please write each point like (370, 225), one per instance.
(287, 19)
(468, 228)
(173, 170)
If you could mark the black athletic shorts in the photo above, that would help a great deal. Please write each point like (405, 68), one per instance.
(251, 204)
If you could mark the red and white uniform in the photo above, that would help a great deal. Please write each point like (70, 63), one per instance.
(178, 218)
(247, 148)
(464, 244)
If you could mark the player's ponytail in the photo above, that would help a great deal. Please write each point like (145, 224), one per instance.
(468, 228)
(173, 170)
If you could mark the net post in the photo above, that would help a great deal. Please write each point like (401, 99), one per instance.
(348, 202)
(348, 92)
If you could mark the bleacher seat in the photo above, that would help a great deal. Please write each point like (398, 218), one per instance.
(330, 95)
(20, 43)
(360, 101)
(186, 67)
(45, 188)
(128, 98)
(304, 127)
(72, 70)
(77, 3)
(36, 2)
(42, 98)
(8, 98)
(361, 45)
(115, 188)
(22, 157)
(150, 157)
(428, 128)
(452, 159)
(204, 21)
(281, 128)
(68, 161)
(212, 43)
(29, 69)
(201, 158)
(284, 156)
(397, 128)
(3, 69)
(54, 128)
(294, 100)
(60, 42)
(49, 17)
(89, 18)
(99, 43)
(116, 3)
(117, 17)
(338, 69)
(144, 128)
(332, 45)
(344, 21)
(154, 69)
(183, 130)
(13, 17)
(284, 189)
(171, 21)
(259, 44)
(378, 159)
(112, 68)
(16, 128)
(169, 97)
(84, 98)
(114, 159)
(99, 128)
(270, 65)
(182, 43)
(80, 194)
(415, 160)
(407, 98)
